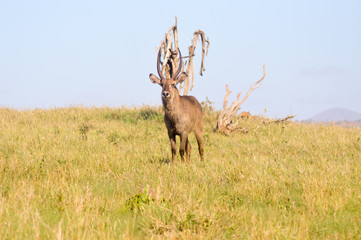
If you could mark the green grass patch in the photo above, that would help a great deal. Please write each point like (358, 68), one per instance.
(105, 173)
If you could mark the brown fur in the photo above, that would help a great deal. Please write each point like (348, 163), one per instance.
(183, 115)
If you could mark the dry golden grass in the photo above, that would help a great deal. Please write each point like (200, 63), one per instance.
(102, 173)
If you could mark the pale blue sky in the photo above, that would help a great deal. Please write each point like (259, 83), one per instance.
(100, 53)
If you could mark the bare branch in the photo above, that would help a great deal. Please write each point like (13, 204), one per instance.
(171, 57)
(189, 82)
(281, 120)
(284, 119)
(255, 85)
(225, 124)
(169, 62)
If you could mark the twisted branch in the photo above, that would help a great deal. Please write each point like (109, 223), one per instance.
(190, 66)
(225, 124)
(170, 60)
(171, 57)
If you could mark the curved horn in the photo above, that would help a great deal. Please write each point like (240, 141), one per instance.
(179, 66)
(158, 66)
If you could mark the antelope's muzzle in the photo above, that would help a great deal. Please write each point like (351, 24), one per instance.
(165, 94)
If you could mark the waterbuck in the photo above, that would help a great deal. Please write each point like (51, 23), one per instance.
(182, 114)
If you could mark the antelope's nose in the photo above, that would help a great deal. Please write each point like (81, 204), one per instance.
(165, 94)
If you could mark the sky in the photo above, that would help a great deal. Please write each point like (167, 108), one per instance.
(100, 53)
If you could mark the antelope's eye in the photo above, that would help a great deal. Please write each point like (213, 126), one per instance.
(173, 84)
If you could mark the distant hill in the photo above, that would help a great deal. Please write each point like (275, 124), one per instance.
(337, 115)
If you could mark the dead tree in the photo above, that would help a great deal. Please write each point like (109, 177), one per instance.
(169, 49)
(225, 122)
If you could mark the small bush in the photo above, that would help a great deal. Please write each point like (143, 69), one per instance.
(84, 129)
(135, 115)
(149, 113)
(138, 202)
(207, 106)
(114, 138)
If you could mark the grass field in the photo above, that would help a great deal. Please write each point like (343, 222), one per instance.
(104, 173)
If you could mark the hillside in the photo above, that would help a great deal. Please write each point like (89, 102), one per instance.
(337, 115)
(105, 173)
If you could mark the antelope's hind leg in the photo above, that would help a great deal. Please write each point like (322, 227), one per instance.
(199, 137)
(188, 150)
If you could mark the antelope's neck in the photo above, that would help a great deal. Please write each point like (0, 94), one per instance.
(173, 106)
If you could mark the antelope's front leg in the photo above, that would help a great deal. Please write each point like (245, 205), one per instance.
(184, 146)
(172, 145)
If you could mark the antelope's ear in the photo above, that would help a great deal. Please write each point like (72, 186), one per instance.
(154, 79)
(181, 78)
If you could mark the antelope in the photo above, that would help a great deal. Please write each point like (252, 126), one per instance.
(182, 114)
